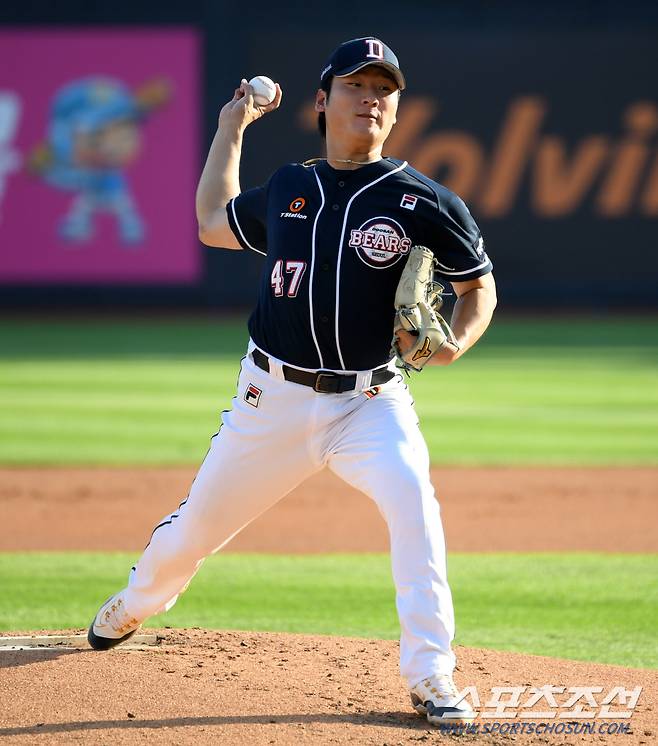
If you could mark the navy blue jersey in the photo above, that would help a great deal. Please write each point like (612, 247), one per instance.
(335, 243)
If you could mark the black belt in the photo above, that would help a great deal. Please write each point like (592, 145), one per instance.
(324, 381)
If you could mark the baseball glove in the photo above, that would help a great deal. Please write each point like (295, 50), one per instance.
(418, 299)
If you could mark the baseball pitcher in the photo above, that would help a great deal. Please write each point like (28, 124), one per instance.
(357, 249)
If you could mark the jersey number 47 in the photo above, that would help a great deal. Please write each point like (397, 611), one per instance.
(277, 279)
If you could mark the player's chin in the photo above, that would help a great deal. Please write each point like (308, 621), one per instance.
(367, 124)
(368, 131)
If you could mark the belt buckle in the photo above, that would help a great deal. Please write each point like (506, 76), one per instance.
(333, 377)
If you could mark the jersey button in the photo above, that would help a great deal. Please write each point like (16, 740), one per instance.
(324, 319)
(325, 267)
(341, 183)
(335, 207)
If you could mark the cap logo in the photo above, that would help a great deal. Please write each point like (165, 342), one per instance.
(375, 49)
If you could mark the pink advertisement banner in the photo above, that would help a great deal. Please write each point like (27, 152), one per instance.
(99, 156)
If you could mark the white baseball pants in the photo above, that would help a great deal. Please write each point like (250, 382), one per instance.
(262, 452)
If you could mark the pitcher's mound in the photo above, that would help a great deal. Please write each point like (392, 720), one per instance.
(202, 687)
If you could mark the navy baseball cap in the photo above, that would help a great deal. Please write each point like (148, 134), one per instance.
(355, 54)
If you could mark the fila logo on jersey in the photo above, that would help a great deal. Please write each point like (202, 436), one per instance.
(252, 395)
(409, 201)
(380, 242)
(294, 211)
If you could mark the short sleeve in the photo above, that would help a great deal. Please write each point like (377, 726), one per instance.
(247, 216)
(456, 240)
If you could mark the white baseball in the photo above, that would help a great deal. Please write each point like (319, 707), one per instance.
(264, 90)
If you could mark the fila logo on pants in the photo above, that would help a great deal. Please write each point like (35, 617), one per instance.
(252, 395)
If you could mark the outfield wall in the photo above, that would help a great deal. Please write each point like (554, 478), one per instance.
(545, 124)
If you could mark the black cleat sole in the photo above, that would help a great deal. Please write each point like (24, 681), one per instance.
(105, 643)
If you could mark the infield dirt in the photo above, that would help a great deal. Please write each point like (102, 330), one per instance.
(202, 687)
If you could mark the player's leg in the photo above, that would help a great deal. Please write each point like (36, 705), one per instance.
(383, 453)
(259, 455)
(379, 449)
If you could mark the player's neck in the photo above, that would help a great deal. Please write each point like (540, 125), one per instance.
(351, 158)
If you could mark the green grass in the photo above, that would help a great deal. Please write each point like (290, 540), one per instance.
(147, 392)
(596, 607)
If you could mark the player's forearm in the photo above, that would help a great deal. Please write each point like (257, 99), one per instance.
(471, 317)
(220, 180)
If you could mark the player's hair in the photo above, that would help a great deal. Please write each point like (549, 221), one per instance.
(322, 122)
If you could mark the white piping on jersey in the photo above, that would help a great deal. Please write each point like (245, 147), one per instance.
(447, 270)
(310, 279)
(340, 248)
(244, 238)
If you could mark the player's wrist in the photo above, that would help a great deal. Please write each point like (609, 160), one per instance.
(446, 354)
(230, 131)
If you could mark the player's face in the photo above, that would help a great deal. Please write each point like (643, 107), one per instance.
(361, 108)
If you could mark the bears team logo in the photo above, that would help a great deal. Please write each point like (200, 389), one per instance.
(380, 242)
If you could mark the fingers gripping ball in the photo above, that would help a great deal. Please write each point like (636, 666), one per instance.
(264, 90)
(417, 301)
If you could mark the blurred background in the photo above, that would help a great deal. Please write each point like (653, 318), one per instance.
(544, 118)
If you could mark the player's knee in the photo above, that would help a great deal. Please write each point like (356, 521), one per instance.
(405, 490)
(409, 482)
(183, 544)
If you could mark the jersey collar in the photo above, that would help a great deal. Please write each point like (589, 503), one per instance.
(363, 173)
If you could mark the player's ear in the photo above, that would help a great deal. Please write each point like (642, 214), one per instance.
(320, 100)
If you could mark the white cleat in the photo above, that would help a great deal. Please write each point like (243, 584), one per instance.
(436, 697)
(112, 625)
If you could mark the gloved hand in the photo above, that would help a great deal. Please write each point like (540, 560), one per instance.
(418, 299)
